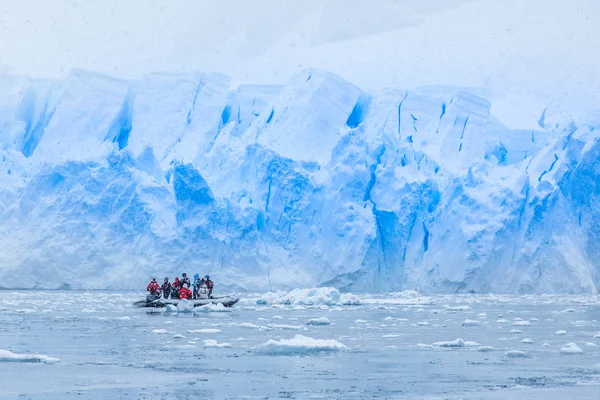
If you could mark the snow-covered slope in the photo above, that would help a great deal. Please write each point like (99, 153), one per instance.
(105, 182)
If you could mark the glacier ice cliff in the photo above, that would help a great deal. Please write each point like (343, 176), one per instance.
(106, 182)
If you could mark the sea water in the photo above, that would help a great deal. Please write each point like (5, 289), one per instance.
(96, 345)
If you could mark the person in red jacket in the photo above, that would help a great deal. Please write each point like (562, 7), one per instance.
(185, 293)
(153, 287)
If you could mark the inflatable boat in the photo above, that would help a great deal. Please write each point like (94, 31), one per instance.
(153, 302)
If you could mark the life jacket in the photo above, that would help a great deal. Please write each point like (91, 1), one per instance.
(209, 284)
(185, 293)
(176, 283)
(153, 287)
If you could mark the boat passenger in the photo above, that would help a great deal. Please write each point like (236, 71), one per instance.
(185, 280)
(209, 284)
(166, 288)
(153, 287)
(175, 288)
(185, 293)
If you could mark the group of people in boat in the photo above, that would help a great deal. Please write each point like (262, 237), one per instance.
(182, 288)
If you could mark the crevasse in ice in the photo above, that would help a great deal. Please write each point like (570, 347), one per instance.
(105, 182)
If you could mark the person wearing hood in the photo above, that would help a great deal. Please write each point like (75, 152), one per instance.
(175, 288)
(185, 280)
(166, 288)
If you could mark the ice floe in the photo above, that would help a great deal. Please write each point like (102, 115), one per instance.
(299, 344)
(9, 356)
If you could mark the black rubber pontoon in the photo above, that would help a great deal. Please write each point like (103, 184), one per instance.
(227, 301)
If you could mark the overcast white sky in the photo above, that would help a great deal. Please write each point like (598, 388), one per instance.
(539, 51)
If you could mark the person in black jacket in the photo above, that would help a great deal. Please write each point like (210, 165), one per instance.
(185, 280)
(166, 288)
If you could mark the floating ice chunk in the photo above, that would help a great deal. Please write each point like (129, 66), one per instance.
(159, 331)
(214, 343)
(560, 333)
(470, 322)
(180, 346)
(485, 349)
(213, 308)
(482, 315)
(501, 321)
(277, 317)
(568, 310)
(596, 335)
(388, 319)
(287, 327)
(424, 346)
(454, 343)
(299, 344)
(249, 325)
(9, 356)
(571, 348)
(470, 343)
(318, 321)
(516, 354)
(171, 308)
(348, 299)
(457, 308)
(546, 345)
(527, 341)
(423, 323)
(521, 323)
(185, 306)
(360, 321)
(591, 344)
(516, 331)
(310, 297)
(391, 335)
(179, 336)
(533, 320)
(205, 330)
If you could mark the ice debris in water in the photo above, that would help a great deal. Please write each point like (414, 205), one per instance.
(521, 323)
(310, 297)
(213, 308)
(454, 343)
(159, 331)
(318, 321)
(457, 308)
(516, 331)
(516, 354)
(185, 306)
(485, 349)
(560, 333)
(571, 348)
(171, 308)
(205, 330)
(597, 335)
(9, 356)
(299, 344)
(214, 343)
(178, 336)
(527, 341)
(470, 322)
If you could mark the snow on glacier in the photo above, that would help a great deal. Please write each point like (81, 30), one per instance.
(268, 187)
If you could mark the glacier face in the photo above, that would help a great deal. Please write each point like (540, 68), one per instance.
(105, 182)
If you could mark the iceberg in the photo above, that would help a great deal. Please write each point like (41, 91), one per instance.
(316, 183)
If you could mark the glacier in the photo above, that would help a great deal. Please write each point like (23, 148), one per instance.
(106, 182)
